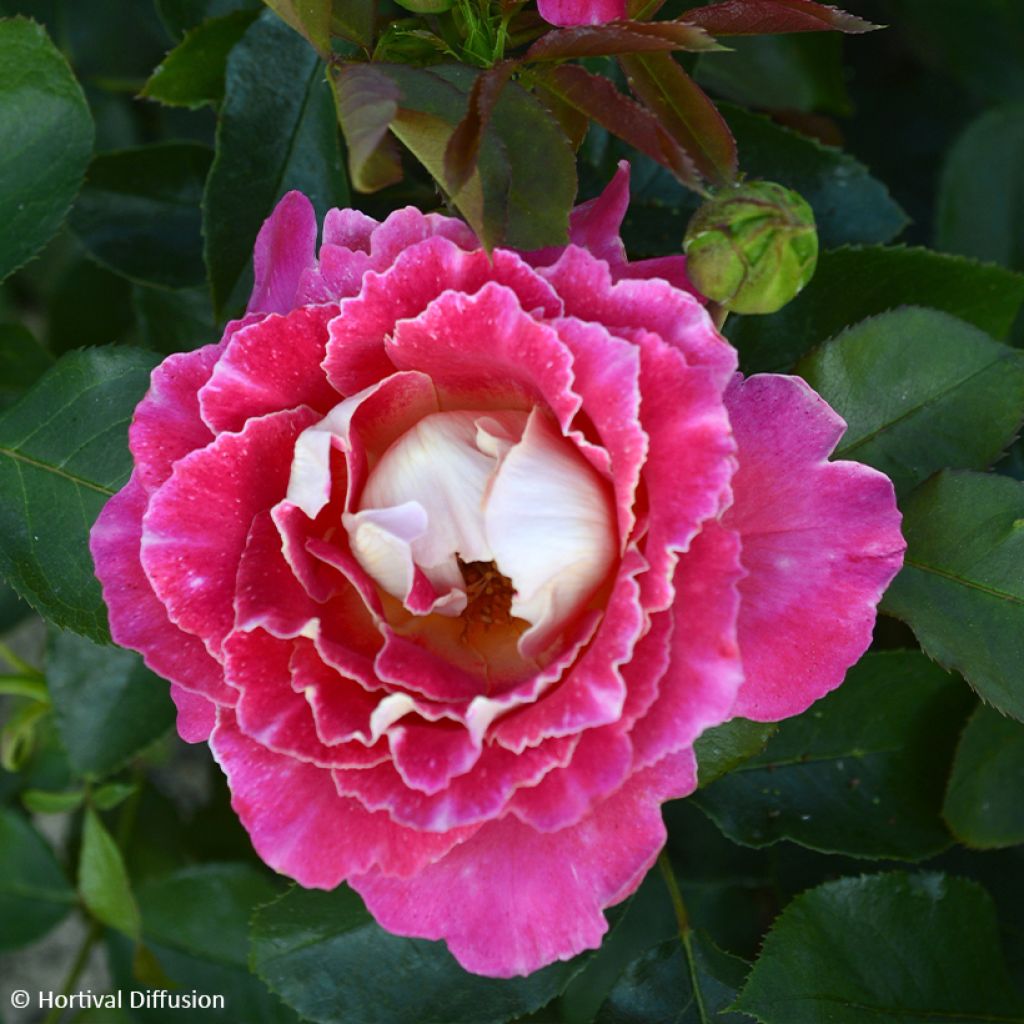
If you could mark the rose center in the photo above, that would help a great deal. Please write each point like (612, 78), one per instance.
(488, 516)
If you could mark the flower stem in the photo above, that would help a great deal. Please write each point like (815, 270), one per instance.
(675, 895)
(76, 969)
(22, 666)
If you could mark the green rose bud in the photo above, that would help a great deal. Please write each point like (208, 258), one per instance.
(752, 248)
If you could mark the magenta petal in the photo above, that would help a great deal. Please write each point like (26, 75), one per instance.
(699, 686)
(690, 462)
(468, 799)
(668, 268)
(197, 524)
(196, 715)
(137, 619)
(581, 12)
(595, 224)
(511, 899)
(820, 542)
(285, 248)
(602, 760)
(167, 424)
(428, 755)
(300, 825)
(356, 356)
(486, 348)
(585, 285)
(269, 366)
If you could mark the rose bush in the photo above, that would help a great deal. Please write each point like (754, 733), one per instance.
(453, 556)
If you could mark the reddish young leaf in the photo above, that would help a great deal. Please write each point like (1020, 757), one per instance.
(685, 112)
(597, 98)
(367, 104)
(766, 17)
(463, 147)
(620, 37)
(353, 20)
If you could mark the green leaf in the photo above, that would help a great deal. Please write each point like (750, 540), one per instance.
(798, 72)
(102, 880)
(962, 586)
(138, 213)
(63, 453)
(889, 949)
(326, 957)
(860, 773)
(46, 138)
(660, 988)
(310, 18)
(727, 746)
(181, 15)
(983, 806)
(192, 74)
(981, 195)
(89, 305)
(43, 801)
(277, 131)
(853, 283)
(22, 362)
(108, 705)
(174, 321)
(113, 793)
(920, 391)
(195, 923)
(34, 895)
(505, 200)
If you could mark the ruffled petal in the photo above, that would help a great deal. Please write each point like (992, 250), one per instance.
(510, 899)
(699, 686)
(196, 715)
(302, 828)
(197, 524)
(137, 618)
(270, 366)
(820, 542)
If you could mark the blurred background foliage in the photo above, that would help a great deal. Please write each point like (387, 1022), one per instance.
(911, 136)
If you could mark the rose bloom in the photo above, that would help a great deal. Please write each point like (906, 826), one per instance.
(452, 557)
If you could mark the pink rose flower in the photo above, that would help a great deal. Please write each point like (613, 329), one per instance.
(581, 12)
(453, 557)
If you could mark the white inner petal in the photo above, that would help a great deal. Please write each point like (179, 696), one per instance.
(503, 487)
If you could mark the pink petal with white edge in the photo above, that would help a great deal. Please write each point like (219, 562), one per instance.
(581, 12)
(586, 286)
(526, 898)
(301, 827)
(479, 795)
(167, 425)
(405, 228)
(820, 542)
(196, 715)
(356, 357)
(137, 619)
(606, 374)
(690, 462)
(668, 268)
(602, 760)
(270, 711)
(285, 248)
(428, 755)
(699, 686)
(272, 365)
(197, 524)
(483, 351)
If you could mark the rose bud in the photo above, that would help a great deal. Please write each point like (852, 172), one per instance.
(752, 248)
